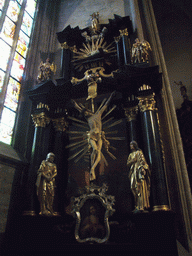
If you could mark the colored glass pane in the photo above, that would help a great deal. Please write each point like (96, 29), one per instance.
(8, 31)
(20, 1)
(30, 7)
(13, 10)
(2, 4)
(27, 24)
(2, 75)
(18, 66)
(12, 95)
(22, 45)
(6, 125)
(4, 54)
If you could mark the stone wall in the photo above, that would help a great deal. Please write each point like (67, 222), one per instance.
(6, 180)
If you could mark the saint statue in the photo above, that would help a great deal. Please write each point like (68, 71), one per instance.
(140, 51)
(46, 185)
(45, 70)
(139, 175)
(95, 26)
(95, 134)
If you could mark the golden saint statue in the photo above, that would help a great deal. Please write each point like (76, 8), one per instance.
(139, 175)
(95, 26)
(46, 185)
(140, 51)
(45, 70)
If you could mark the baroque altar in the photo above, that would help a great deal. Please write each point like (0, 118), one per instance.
(105, 98)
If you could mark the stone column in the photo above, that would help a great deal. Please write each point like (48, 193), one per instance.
(67, 53)
(126, 46)
(153, 150)
(131, 114)
(120, 57)
(61, 156)
(40, 120)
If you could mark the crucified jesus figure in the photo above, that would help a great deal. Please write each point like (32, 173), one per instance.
(95, 138)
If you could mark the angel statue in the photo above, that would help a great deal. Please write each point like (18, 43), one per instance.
(45, 70)
(140, 51)
(139, 175)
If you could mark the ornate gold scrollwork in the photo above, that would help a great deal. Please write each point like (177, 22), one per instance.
(147, 102)
(90, 228)
(93, 76)
(124, 32)
(131, 113)
(60, 124)
(40, 120)
(66, 46)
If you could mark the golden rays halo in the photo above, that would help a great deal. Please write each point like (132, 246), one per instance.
(79, 139)
(93, 48)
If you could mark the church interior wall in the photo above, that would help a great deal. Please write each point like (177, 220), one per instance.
(174, 23)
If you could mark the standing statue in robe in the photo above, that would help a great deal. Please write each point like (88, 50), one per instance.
(139, 175)
(140, 51)
(45, 70)
(95, 133)
(95, 26)
(46, 185)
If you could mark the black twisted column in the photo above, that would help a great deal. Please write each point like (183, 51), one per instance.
(153, 150)
(131, 114)
(126, 45)
(61, 156)
(41, 121)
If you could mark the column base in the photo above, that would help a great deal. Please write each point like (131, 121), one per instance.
(161, 208)
(29, 213)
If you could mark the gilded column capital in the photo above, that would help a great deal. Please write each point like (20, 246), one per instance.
(124, 32)
(131, 113)
(40, 120)
(117, 38)
(60, 124)
(146, 102)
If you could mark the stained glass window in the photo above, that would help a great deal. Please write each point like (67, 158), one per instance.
(5, 50)
(2, 4)
(16, 28)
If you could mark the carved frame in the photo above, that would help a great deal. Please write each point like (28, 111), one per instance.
(107, 201)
